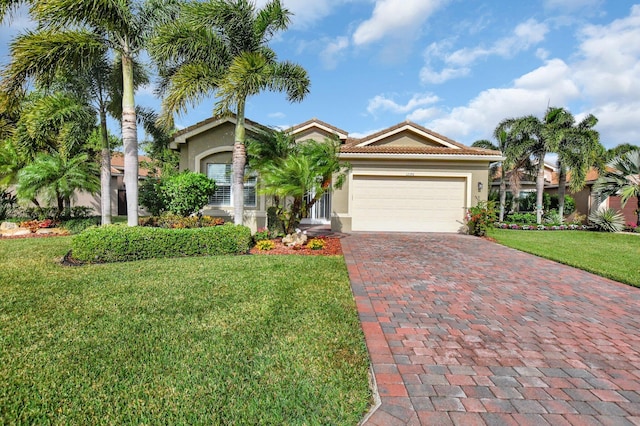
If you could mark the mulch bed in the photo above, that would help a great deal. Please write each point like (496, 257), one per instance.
(332, 247)
(19, 237)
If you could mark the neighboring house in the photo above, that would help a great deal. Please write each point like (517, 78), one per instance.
(588, 201)
(118, 194)
(404, 178)
(527, 183)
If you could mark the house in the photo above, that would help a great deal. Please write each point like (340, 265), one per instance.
(587, 201)
(118, 194)
(405, 178)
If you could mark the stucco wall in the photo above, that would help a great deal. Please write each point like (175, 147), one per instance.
(405, 138)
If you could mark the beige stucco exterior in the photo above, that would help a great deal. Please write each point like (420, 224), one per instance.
(406, 150)
(473, 172)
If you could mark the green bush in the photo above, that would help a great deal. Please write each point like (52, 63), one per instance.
(150, 196)
(481, 217)
(522, 218)
(187, 192)
(170, 220)
(75, 226)
(118, 243)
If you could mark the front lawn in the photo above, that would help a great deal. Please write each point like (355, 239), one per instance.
(615, 256)
(206, 340)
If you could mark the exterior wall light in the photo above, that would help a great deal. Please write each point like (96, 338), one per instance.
(480, 186)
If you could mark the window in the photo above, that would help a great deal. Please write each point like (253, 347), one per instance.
(223, 197)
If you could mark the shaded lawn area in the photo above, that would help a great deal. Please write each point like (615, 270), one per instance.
(615, 256)
(208, 340)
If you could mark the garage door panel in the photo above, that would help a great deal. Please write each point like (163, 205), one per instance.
(407, 204)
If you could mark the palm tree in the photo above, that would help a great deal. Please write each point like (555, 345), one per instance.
(302, 177)
(515, 164)
(56, 177)
(578, 148)
(622, 178)
(220, 47)
(80, 31)
(538, 138)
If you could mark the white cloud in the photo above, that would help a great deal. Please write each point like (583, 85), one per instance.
(331, 54)
(609, 60)
(394, 18)
(603, 79)
(276, 115)
(383, 103)
(457, 63)
(529, 94)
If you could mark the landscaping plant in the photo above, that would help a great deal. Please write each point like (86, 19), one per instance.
(481, 218)
(607, 220)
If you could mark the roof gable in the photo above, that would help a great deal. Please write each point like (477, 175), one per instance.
(317, 127)
(407, 134)
(210, 123)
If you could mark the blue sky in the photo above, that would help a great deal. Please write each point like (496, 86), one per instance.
(455, 66)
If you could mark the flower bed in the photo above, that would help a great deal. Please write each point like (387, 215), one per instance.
(332, 247)
(570, 227)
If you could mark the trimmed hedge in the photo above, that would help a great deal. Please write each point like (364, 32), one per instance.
(120, 243)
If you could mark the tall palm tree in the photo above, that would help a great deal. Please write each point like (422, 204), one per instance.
(622, 178)
(539, 137)
(220, 47)
(89, 28)
(578, 148)
(56, 178)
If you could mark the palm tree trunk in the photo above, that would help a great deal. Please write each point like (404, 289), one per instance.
(130, 140)
(239, 160)
(503, 195)
(539, 189)
(105, 171)
(562, 185)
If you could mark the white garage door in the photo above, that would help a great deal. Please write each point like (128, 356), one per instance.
(407, 204)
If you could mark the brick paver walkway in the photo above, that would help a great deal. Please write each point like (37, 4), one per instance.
(466, 332)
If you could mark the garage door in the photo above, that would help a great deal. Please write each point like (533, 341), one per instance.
(407, 204)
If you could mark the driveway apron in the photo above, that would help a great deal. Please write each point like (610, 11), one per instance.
(462, 331)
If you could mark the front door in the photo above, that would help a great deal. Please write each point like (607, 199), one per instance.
(122, 202)
(320, 213)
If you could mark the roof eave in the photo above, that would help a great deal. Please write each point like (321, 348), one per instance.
(378, 156)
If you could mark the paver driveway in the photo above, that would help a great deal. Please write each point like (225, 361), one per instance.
(464, 331)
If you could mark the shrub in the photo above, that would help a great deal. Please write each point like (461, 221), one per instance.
(173, 221)
(481, 217)
(187, 192)
(315, 244)
(552, 217)
(261, 235)
(607, 220)
(522, 218)
(274, 223)
(75, 226)
(8, 203)
(118, 243)
(265, 245)
(150, 196)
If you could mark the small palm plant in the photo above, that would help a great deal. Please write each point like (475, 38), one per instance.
(607, 220)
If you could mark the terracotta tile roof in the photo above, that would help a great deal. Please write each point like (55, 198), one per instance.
(592, 175)
(386, 149)
(117, 164)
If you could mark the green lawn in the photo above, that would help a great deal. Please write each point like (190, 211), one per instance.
(615, 256)
(208, 340)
